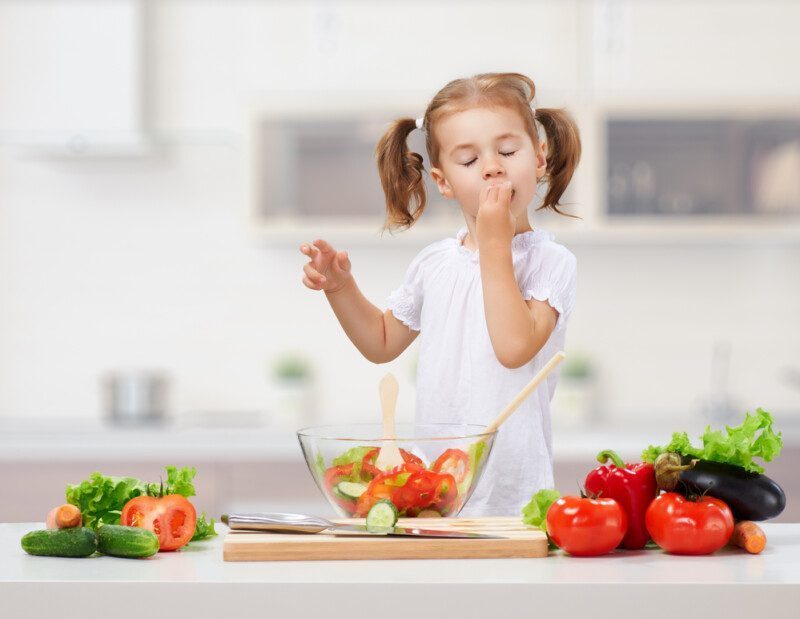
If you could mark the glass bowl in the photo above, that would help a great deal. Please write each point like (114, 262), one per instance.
(442, 465)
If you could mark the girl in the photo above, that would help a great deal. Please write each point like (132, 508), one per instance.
(492, 304)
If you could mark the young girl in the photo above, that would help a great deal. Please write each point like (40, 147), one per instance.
(491, 304)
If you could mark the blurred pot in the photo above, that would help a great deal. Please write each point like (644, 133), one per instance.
(133, 397)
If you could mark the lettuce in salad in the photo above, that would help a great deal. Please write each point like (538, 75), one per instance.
(754, 438)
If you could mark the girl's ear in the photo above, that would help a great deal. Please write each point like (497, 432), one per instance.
(541, 159)
(441, 182)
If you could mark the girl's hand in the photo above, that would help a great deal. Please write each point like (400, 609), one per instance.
(495, 220)
(327, 269)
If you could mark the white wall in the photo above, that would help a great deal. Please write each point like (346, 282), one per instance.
(148, 262)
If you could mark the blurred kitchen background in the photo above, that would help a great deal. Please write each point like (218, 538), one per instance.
(161, 161)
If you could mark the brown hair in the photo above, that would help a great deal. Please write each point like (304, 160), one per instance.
(401, 170)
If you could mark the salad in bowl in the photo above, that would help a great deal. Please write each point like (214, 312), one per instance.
(441, 465)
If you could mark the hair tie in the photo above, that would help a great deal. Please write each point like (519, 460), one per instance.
(420, 122)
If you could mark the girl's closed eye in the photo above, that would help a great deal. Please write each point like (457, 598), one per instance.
(473, 160)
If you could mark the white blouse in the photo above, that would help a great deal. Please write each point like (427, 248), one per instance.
(460, 380)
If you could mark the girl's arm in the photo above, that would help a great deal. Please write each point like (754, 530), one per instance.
(379, 336)
(518, 329)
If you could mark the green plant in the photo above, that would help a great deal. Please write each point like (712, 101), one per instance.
(577, 367)
(292, 367)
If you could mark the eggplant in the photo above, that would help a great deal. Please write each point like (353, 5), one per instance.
(751, 496)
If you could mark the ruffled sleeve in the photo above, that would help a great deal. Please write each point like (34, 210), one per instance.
(406, 301)
(552, 278)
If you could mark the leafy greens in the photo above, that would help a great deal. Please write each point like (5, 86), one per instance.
(101, 498)
(754, 438)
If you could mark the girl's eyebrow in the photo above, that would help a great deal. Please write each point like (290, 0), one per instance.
(497, 139)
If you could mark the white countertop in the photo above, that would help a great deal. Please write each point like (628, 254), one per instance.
(197, 582)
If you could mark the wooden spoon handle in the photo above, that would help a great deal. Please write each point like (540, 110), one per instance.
(526, 391)
(389, 389)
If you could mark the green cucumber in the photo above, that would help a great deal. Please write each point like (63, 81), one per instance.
(381, 516)
(73, 542)
(350, 490)
(129, 542)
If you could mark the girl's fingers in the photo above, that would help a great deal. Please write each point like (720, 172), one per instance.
(484, 197)
(313, 275)
(504, 193)
(323, 246)
(310, 284)
(342, 261)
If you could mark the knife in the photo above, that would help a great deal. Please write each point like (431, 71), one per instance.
(298, 523)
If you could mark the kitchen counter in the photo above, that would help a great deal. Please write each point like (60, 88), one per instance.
(66, 440)
(196, 582)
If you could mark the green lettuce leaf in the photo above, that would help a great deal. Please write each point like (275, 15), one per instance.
(754, 438)
(534, 514)
(102, 498)
(356, 454)
(475, 452)
(204, 528)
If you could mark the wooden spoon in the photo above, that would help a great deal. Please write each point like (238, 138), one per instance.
(526, 391)
(389, 455)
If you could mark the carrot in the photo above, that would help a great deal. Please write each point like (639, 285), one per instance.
(750, 536)
(64, 517)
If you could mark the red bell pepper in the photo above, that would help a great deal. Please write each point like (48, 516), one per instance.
(633, 486)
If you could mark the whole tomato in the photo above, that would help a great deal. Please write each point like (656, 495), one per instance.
(586, 527)
(689, 527)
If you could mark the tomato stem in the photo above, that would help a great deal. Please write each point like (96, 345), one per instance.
(609, 454)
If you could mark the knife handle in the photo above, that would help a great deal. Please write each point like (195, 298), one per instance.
(278, 522)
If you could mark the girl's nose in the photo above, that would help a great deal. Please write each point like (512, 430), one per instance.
(492, 169)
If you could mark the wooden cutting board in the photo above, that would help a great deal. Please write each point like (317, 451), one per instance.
(521, 542)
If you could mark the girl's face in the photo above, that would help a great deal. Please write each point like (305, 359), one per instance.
(483, 146)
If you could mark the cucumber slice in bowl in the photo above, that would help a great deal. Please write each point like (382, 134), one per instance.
(350, 490)
(381, 516)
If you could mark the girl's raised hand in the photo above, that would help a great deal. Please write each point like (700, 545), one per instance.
(326, 269)
(495, 219)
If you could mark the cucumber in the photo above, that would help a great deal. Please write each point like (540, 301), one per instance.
(73, 542)
(129, 542)
(350, 490)
(382, 515)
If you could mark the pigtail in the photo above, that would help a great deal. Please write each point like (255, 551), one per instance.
(400, 171)
(563, 154)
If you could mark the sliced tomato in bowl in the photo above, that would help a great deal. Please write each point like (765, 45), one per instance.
(455, 462)
(368, 461)
(171, 517)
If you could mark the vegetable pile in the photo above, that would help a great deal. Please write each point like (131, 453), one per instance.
(688, 500)
(122, 517)
(356, 484)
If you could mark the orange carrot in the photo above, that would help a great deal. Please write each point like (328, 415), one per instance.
(750, 536)
(64, 517)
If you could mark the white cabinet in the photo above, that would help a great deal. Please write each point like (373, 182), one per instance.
(674, 51)
(71, 75)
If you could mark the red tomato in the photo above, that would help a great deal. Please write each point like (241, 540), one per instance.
(586, 527)
(455, 462)
(686, 527)
(368, 461)
(172, 518)
(383, 486)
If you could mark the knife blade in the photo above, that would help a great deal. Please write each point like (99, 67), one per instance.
(296, 523)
